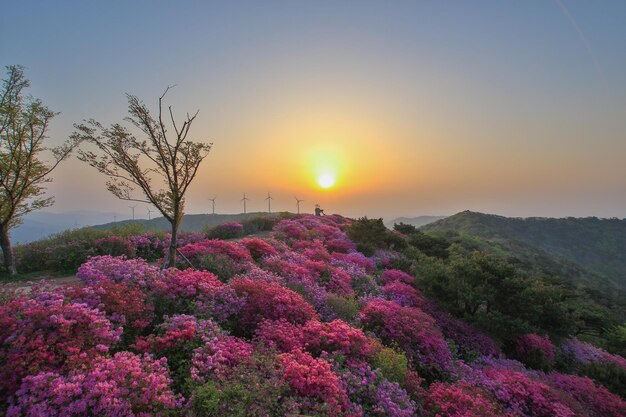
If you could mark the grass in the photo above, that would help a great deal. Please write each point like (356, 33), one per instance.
(29, 276)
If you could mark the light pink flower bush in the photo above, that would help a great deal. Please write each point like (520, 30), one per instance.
(128, 305)
(233, 250)
(460, 400)
(535, 351)
(124, 385)
(217, 357)
(291, 229)
(403, 294)
(48, 333)
(312, 377)
(391, 275)
(521, 395)
(412, 330)
(265, 300)
(317, 338)
(579, 352)
(118, 270)
(258, 248)
(597, 399)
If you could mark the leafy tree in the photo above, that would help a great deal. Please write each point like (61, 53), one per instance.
(24, 124)
(371, 234)
(169, 160)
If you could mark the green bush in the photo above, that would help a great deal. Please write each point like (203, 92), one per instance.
(345, 308)
(255, 388)
(258, 224)
(67, 258)
(206, 400)
(371, 234)
(221, 265)
(229, 230)
(392, 364)
(127, 230)
(365, 285)
(611, 375)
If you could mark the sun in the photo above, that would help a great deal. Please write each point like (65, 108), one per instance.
(326, 180)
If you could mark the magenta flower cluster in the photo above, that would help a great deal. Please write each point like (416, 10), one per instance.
(305, 325)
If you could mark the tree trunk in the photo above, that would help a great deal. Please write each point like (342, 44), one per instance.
(7, 251)
(173, 243)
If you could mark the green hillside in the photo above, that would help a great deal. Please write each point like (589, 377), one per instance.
(588, 251)
(191, 222)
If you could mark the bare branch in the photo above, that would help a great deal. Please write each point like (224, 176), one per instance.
(161, 168)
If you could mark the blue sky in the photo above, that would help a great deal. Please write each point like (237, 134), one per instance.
(432, 107)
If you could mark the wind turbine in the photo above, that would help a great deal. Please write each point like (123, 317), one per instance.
(133, 209)
(213, 201)
(149, 212)
(298, 201)
(269, 199)
(244, 199)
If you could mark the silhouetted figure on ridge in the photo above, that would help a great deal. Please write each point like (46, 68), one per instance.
(319, 211)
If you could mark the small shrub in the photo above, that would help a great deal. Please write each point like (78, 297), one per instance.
(535, 351)
(345, 308)
(229, 230)
(219, 264)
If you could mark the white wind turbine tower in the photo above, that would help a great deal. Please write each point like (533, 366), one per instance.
(269, 199)
(298, 201)
(133, 209)
(149, 213)
(244, 199)
(212, 200)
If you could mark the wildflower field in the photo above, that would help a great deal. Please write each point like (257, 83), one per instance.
(297, 323)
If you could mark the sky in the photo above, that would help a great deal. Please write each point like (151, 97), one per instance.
(411, 107)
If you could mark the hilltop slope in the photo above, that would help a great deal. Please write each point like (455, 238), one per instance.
(591, 250)
(415, 221)
(191, 222)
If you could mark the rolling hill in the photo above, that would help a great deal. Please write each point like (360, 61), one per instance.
(190, 223)
(589, 250)
(415, 221)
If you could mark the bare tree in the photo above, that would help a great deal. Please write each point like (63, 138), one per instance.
(160, 167)
(24, 123)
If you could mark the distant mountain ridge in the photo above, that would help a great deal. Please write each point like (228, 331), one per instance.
(415, 221)
(591, 244)
(39, 225)
(190, 223)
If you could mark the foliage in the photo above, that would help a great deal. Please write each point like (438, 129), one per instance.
(596, 398)
(535, 351)
(24, 123)
(132, 163)
(412, 330)
(392, 364)
(520, 394)
(124, 385)
(254, 388)
(375, 395)
(118, 270)
(268, 341)
(265, 300)
(229, 230)
(460, 400)
(46, 332)
(311, 377)
(371, 234)
(392, 275)
(345, 308)
(258, 248)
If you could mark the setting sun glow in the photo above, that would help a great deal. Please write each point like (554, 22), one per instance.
(326, 181)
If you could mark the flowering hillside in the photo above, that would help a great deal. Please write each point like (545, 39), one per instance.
(297, 323)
